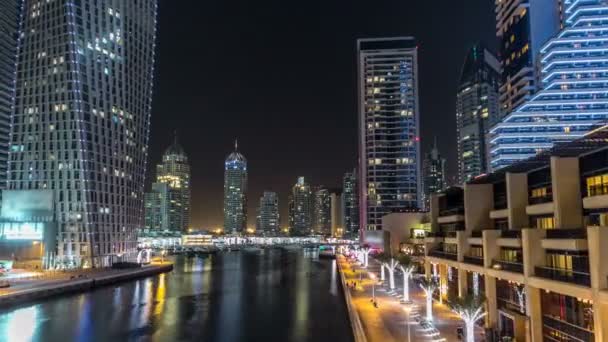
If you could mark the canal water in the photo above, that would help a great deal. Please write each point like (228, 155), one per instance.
(269, 295)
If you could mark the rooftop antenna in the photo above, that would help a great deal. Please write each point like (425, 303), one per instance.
(236, 144)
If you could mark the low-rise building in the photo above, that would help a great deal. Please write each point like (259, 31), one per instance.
(532, 239)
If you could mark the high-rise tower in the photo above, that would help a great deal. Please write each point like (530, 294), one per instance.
(268, 214)
(322, 212)
(477, 109)
(573, 100)
(168, 207)
(301, 207)
(350, 203)
(389, 146)
(522, 27)
(433, 169)
(10, 21)
(235, 192)
(82, 118)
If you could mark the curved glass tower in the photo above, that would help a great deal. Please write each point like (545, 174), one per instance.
(574, 99)
(235, 192)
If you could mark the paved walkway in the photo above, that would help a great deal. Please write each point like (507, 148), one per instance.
(389, 322)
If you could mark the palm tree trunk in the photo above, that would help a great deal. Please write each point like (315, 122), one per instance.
(470, 331)
(406, 287)
(429, 307)
(382, 272)
(391, 277)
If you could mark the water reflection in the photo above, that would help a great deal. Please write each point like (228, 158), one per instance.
(273, 295)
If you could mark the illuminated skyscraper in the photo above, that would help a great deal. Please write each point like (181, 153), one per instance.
(522, 27)
(433, 169)
(82, 118)
(389, 147)
(235, 192)
(168, 204)
(477, 109)
(301, 207)
(574, 98)
(10, 20)
(268, 214)
(322, 212)
(350, 203)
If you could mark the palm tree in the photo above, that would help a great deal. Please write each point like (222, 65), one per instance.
(407, 268)
(429, 286)
(391, 264)
(365, 249)
(470, 308)
(383, 258)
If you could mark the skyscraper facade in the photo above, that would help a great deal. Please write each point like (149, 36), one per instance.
(235, 192)
(81, 122)
(174, 198)
(322, 212)
(434, 174)
(301, 207)
(573, 100)
(350, 203)
(10, 21)
(389, 146)
(268, 214)
(477, 109)
(336, 216)
(522, 27)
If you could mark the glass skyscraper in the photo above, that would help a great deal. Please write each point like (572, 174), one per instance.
(168, 207)
(235, 193)
(522, 27)
(301, 207)
(433, 169)
(350, 203)
(389, 144)
(322, 212)
(477, 109)
(10, 21)
(268, 214)
(574, 98)
(82, 117)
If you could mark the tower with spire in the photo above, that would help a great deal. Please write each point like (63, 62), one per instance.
(433, 168)
(167, 206)
(235, 192)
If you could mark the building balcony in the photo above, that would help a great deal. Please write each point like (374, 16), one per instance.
(570, 329)
(597, 197)
(510, 266)
(509, 238)
(577, 233)
(540, 199)
(452, 211)
(510, 234)
(566, 239)
(432, 237)
(443, 255)
(565, 275)
(475, 260)
(543, 208)
(451, 215)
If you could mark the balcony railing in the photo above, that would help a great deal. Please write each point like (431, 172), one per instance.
(500, 203)
(475, 260)
(511, 266)
(443, 255)
(568, 328)
(435, 234)
(450, 234)
(511, 234)
(597, 190)
(540, 199)
(476, 234)
(565, 275)
(452, 211)
(578, 233)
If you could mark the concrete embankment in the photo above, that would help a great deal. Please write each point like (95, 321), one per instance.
(355, 320)
(19, 296)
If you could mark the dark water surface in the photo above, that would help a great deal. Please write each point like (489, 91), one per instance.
(271, 295)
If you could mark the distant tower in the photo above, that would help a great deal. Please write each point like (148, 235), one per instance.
(301, 207)
(322, 212)
(268, 214)
(389, 144)
(434, 173)
(235, 192)
(350, 203)
(477, 109)
(168, 204)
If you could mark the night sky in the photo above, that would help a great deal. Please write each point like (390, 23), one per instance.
(281, 77)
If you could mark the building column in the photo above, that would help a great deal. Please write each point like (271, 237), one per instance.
(517, 200)
(478, 202)
(534, 254)
(462, 282)
(490, 249)
(491, 303)
(534, 310)
(597, 241)
(566, 184)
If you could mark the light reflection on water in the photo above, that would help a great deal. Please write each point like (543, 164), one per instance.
(271, 295)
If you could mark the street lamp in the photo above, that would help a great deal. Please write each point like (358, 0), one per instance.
(373, 278)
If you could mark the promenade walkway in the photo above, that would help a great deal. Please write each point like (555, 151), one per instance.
(389, 322)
